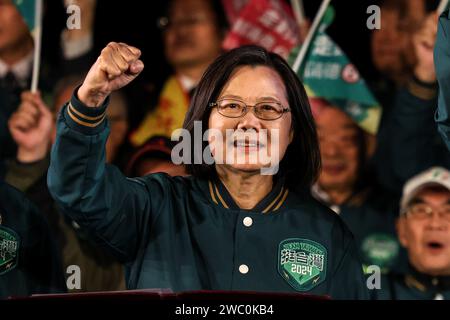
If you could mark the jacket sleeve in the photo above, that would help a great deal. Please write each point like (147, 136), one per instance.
(442, 65)
(412, 140)
(17, 171)
(114, 210)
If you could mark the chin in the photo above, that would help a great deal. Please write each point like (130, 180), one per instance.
(436, 268)
(185, 57)
(332, 183)
(247, 167)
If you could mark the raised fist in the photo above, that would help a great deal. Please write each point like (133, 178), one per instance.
(117, 66)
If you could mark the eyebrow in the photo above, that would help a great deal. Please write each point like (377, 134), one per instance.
(416, 201)
(231, 96)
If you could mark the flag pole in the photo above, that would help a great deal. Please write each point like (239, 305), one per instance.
(37, 45)
(299, 11)
(304, 48)
(442, 6)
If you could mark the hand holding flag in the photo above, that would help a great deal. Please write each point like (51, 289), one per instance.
(31, 127)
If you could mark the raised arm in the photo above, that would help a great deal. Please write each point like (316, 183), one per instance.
(116, 211)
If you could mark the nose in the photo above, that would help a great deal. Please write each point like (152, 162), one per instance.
(436, 222)
(329, 148)
(180, 29)
(249, 121)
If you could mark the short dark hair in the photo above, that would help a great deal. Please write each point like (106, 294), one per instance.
(301, 163)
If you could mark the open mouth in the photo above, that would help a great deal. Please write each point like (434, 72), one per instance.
(435, 246)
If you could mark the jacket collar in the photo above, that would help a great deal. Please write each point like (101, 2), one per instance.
(219, 196)
(425, 282)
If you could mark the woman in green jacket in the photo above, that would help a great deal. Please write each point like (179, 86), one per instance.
(236, 222)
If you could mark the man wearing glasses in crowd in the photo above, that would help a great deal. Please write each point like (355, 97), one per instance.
(424, 230)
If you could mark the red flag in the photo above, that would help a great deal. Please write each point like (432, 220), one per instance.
(233, 8)
(268, 23)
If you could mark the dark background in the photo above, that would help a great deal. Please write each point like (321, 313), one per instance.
(134, 22)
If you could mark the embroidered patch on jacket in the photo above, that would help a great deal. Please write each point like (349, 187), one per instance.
(380, 249)
(302, 263)
(9, 249)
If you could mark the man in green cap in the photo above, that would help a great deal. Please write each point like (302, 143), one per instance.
(424, 230)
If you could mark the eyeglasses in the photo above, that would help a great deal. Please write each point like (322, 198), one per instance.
(233, 108)
(422, 211)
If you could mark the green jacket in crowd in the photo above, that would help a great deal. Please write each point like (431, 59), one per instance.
(99, 270)
(371, 216)
(412, 285)
(442, 66)
(185, 233)
(29, 260)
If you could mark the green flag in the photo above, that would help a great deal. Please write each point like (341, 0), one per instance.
(327, 73)
(31, 11)
(27, 10)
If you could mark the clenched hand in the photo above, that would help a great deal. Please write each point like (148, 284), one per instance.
(116, 67)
